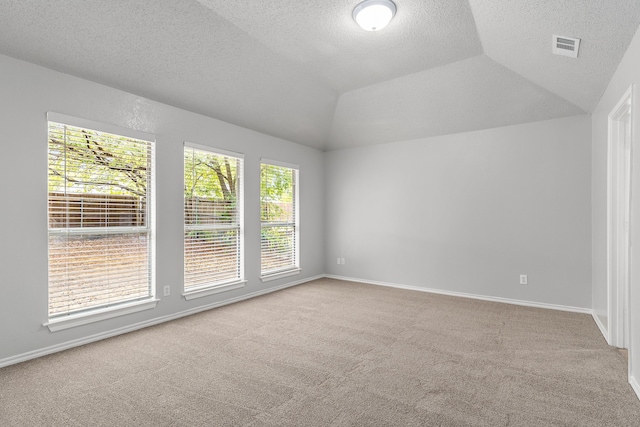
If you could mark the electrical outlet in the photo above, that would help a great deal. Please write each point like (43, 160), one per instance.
(338, 261)
(342, 261)
(524, 279)
(167, 291)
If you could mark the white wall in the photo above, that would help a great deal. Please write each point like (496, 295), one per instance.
(468, 212)
(628, 73)
(27, 93)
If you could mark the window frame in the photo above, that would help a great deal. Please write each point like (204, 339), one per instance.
(228, 284)
(295, 268)
(74, 318)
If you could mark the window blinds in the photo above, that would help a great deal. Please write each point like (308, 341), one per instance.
(212, 218)
(278, 217)
(98, 216)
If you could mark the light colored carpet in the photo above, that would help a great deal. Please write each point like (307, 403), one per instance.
(332, 353)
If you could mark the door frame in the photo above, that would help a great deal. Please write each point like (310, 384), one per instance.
(620, 127)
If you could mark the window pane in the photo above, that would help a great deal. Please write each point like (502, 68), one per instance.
(212, 215)
(96, 270)
(277, 194)
(210, 256)
(96, 179)
(99, 234)
(277, 248)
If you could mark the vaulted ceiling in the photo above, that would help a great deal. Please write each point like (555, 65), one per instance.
(304, 71)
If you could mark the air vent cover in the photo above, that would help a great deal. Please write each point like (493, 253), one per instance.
(566, 46)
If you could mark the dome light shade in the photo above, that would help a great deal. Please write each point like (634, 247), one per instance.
(374, 15)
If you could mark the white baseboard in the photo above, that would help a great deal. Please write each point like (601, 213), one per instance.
(635, 386)
(130, 328)
(603, 330)
(466, 295)
(92, 338)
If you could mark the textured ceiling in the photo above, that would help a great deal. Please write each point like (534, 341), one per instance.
(458, 95)
(305, 72)
(517, 34)
(323, 38)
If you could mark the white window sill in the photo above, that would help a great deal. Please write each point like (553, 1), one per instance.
(280, 274)
(73, 320)
(203, 292)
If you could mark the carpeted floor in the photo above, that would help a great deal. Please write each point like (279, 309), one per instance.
(332, 353)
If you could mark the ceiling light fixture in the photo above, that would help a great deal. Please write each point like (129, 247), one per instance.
(374, 15)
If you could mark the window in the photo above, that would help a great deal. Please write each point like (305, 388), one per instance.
(212, 218)
(279, 219)
(99, 217)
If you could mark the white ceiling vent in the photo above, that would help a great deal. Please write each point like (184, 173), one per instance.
(566, 46)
